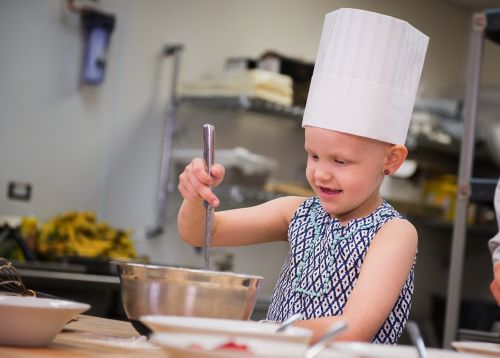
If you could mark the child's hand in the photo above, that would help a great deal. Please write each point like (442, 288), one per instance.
(194, 181)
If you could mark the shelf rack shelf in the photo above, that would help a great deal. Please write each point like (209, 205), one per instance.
(246, 103)
(484, 24)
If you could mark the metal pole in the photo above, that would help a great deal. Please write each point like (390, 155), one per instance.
(464, 176)
(170, 50)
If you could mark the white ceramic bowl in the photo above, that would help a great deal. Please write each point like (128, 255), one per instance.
(485, 348)
(368, 350)
(184, 345)
(32, 321)
(227, 327)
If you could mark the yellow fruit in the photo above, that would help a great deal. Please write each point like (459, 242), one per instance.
(79, 233)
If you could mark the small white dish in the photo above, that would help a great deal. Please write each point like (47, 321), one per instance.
(370, 350)
(185, 345)
(228, 327)
(485, 348)
(33, 321)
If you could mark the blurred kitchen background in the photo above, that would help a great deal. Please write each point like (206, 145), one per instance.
(91, 140)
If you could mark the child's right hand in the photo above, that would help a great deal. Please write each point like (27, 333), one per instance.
(194, 181)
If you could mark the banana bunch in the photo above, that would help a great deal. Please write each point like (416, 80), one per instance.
(80, 234)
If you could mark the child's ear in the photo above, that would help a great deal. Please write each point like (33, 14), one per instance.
(396, 155)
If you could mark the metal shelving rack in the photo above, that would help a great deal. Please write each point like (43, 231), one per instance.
(485, 24)
(247, 103)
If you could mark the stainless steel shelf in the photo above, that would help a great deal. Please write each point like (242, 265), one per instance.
(69, 276)
(245, 103)
(485, 23)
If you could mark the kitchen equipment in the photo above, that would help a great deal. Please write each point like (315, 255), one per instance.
(33, 321)
(208, 156)
(371, 350)
(11, 283)
(227, 345)
(228, 327)
(484, 25)
(321, 344)
(484, 348)
(154, 290)
(97, 28)
(289, 321)
(182, 345)
(416, 338)
(170, 50)
(90, 337)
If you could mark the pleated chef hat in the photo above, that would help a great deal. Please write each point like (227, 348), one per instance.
(366, 75)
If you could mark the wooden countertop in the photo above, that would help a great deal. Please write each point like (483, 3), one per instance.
(91, 337)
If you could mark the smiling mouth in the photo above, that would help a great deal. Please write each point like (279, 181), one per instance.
(329, 191)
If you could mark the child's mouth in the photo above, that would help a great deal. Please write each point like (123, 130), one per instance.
(328, 191)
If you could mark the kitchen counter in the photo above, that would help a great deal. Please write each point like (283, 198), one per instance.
(91, 336)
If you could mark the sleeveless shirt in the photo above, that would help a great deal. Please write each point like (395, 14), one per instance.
(323, 265)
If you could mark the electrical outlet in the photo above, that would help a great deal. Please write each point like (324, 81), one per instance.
(19, 191)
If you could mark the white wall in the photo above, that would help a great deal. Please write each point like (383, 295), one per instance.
(98, 148)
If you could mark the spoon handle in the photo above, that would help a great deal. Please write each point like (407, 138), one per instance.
(208, 156)
(416, 338)
(286, 323)
(317, 347)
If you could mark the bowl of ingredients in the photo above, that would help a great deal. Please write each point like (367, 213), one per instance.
(33, 321)
(175, 291)
(219, 326)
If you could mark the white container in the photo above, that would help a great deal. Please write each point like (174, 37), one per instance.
(227, 327)
(33, 321)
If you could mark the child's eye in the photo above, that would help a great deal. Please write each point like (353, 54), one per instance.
(341, 162)
(313, 156)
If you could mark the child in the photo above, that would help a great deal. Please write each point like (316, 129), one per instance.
(351, 254)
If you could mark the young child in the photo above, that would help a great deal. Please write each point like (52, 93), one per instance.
(351, 254)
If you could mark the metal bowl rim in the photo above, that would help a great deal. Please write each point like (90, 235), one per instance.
(198, 271)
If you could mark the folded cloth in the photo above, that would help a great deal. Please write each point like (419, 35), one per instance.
(265, 85)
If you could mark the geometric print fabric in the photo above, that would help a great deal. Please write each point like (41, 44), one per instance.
(323, 265)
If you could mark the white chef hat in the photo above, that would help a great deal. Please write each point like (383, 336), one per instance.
(366, 75)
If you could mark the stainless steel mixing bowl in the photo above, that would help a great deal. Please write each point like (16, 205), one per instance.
(151, 289)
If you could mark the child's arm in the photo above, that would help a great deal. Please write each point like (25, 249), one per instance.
(262, 223)
(386, 267)
(494, 245)
(495, 284)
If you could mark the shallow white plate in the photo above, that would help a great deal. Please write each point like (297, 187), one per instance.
(485, 348)
(185, 345)
(388, 351)
(229, 327)
(32, 321)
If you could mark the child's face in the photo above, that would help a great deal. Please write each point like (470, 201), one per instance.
(345, 171)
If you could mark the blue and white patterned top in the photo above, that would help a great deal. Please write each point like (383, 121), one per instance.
(323, 265)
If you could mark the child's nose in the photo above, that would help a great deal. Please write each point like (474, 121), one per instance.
(322, 173)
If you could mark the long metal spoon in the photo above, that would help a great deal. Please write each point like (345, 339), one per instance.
(208, 156)
(322, 343)
(289, 321)
(416, 338)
